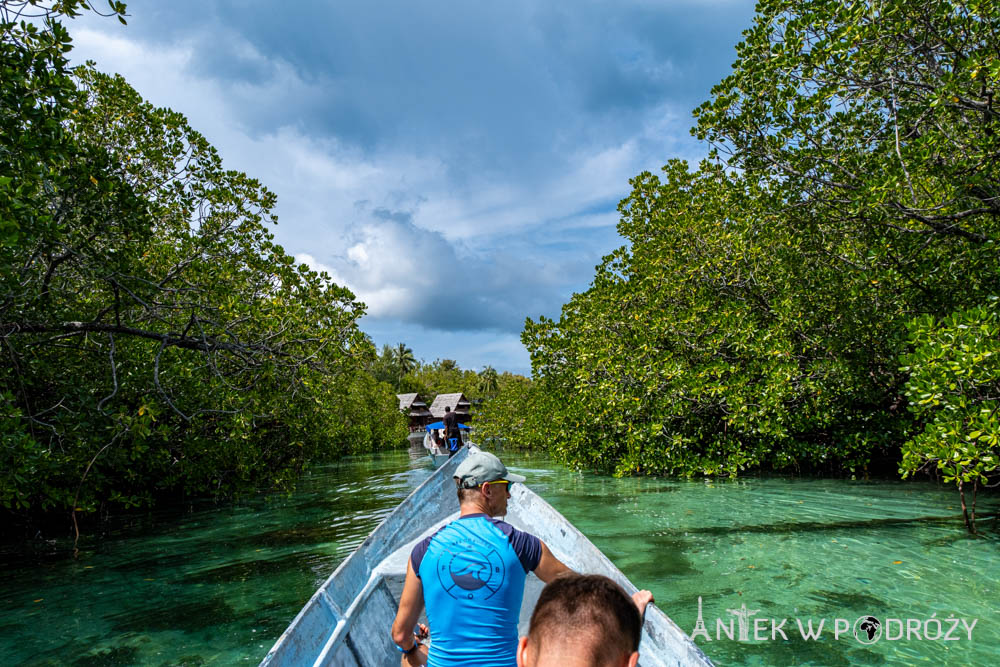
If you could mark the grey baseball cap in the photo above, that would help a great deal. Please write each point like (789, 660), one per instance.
(480, 467)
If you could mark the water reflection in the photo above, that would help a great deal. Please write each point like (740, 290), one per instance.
(418, 455)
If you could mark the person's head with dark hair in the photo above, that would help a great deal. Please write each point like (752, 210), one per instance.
(447, 408)
(584, 619)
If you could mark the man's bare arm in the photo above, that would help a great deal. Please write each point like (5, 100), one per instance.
(549, 567)
(411, 603)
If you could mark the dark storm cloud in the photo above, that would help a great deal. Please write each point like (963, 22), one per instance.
(495, 84)
(428, 148)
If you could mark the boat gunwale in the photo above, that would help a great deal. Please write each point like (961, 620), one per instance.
(673, 634)
(372, 542)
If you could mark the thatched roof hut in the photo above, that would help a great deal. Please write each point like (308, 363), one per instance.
(458, 403)
(415, 406)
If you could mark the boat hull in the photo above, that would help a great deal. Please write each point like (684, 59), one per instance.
(437, 454)
(347, 621)
(439, 459)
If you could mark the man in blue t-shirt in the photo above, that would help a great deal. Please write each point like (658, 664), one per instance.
(470, 575)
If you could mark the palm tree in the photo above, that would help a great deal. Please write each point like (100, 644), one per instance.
(405, 361)
(489, 382)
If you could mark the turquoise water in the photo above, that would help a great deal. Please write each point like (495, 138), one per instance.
(216, 585)
(797, 549)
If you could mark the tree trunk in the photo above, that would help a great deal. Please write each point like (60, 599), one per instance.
(975, 492)
(970, 522)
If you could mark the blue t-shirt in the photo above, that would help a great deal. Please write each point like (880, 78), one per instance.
(473, 573)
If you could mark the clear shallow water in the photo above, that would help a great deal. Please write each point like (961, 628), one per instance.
(797, 549)
(217, 585)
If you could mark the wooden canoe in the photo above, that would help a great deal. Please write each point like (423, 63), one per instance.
(347, 621)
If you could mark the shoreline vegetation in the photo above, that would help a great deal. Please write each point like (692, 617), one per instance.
(157, 343)
(819, 295)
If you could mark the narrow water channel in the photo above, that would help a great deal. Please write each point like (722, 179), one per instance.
(216, 585)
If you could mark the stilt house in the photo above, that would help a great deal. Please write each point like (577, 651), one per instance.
(458, 403)
(415, 407)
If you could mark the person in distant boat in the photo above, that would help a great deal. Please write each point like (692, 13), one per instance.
(470, 574)
(452, 435)
(584, 620)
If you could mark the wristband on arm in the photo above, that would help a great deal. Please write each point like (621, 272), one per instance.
(409, 650)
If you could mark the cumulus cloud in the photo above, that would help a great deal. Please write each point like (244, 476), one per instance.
(421, 150)
(405, 273)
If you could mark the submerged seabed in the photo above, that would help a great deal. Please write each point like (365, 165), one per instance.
(217, 585)
(800, 550)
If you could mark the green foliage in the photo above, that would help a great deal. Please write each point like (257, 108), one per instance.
(442, 376)
(35, 98)
(756, 316)
(159, 341)
(954, 389)
(489, 381)
(711, 347)
(384, 368)
(511, 415)
(873, 125)
(405, 361)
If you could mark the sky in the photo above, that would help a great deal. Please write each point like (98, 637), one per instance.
(456, 163)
